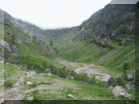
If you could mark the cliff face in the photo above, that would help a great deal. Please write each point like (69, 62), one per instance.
(112, 24)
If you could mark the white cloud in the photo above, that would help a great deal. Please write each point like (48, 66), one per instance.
(53, 13)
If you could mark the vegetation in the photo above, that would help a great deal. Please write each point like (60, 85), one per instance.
(8, 83)
(65, 80)
(125, 68)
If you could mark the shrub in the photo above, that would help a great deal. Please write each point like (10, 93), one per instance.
(72, 73)
(121, 82)
(91, 80)
(113, 85)
(125, 68)
(32, 85)
(81, 77)
(35, 92)
(8, 84)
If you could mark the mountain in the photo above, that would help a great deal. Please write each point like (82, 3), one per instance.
(17, 34)
(101, 47)
(107, 38)
(113, 23)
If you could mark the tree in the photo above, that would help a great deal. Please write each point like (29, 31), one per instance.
(51, 42)
(125, 68)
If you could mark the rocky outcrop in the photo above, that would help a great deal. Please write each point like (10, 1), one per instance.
(6, 46)
(42, 43)
(110, 23)
(10, 49)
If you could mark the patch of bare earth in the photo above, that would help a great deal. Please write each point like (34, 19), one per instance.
(85, 69)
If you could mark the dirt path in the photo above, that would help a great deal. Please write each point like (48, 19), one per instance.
(85, 69)
(14, 92)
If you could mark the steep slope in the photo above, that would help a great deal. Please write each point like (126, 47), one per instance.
(30, 52)
(107, 38)
(21, 46)
(113, 23)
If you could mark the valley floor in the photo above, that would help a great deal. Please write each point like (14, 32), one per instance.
(46, 86)
(90, 69)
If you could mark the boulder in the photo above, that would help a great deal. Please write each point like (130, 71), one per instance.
(1, 61)
(120, 91)
(72, 77)
(29, 82)
(69, 95)
(111, 81)
(47, 70)
(111, 86)
(130, 78)
(49, 74)
(29, 98)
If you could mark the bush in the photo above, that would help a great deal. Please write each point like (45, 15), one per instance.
(8, 84)
(125, 68)
(35, 92)
(81, 77)
(91, 80)
(72, 73)
(121, 82)
(32, 85)
(113, 85)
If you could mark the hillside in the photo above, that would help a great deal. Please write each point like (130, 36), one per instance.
(107, 38)
(70, 63)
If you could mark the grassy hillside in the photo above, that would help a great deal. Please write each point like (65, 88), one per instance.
(52, 85)
(91, 53)
(35, 56)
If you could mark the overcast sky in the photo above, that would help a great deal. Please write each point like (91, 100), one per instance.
(50, 14)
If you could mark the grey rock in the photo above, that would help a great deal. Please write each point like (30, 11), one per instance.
(130, 78)
(120, 91)
(69, 95)
(29, 82)
(72, 77)
(111, 86)
(29, 98)
(73, 91)
(6, 46)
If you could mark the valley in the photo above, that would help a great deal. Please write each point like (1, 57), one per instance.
(97, 60)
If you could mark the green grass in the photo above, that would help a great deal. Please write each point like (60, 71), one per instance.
(9, 83)
(35, 58)
(91, 53)
(99, 75)
(83, 90)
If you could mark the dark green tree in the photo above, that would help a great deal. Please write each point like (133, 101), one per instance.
(125, 68)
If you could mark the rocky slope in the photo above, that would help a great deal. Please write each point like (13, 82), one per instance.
(15, 34)
(113, 23)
